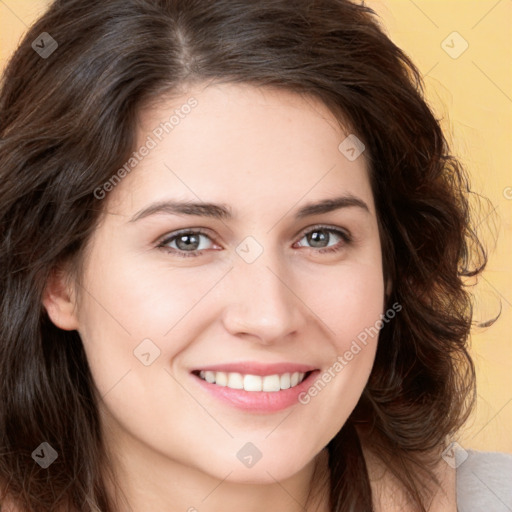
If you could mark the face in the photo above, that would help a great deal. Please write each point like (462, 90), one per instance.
(217, 336)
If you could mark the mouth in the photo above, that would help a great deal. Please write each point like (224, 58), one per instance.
(254, 387)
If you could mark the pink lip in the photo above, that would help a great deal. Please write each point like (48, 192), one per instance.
(253, 368)
(258, 401)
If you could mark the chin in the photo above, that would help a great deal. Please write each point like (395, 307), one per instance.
(263, 471)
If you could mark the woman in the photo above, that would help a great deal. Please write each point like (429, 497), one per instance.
(233, 247)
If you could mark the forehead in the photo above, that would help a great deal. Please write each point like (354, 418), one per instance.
(241, 145)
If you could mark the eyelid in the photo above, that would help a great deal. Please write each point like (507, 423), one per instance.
(327, 227)
(161, 241)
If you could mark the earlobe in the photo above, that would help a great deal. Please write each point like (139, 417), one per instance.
(59, 301)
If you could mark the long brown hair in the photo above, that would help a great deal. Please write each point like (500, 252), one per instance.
(67, 124)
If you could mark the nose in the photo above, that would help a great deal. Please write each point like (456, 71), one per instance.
(263, 304)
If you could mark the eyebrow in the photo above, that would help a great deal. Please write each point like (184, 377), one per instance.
(223, 212)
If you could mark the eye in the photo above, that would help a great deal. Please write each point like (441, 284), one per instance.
(320, 235)
(186, 241)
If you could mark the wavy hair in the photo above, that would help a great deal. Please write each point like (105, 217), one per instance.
(67, 123)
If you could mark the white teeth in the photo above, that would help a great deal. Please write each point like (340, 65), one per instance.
(271, 383)
(285, 381)
(235, 381)
(221, 379)
(253, 382)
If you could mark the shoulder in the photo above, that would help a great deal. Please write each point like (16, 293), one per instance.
(484, 481)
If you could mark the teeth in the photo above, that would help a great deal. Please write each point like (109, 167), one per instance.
(221, 379)
(253, 382)
(271, 383)
(285, 381)
(235, 380)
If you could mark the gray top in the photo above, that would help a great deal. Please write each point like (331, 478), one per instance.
(484, 481)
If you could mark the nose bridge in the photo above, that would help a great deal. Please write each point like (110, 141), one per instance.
(263, 303)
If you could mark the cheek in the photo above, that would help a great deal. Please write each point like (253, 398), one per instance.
(129, 308)
(139, 301)
(352, 308)
(348, 301)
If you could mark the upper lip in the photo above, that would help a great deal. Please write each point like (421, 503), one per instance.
(255, 368)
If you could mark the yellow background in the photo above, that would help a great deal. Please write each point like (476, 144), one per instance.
(473, 95)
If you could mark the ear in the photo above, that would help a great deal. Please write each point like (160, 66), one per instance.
(59, 300)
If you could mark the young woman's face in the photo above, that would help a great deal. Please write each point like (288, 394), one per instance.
(247, 291)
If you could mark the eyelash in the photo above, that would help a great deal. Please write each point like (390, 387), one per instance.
(186, 254)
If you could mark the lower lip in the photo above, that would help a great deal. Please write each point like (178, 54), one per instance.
(259, 401)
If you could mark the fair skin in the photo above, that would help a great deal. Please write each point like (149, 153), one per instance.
(264, 154)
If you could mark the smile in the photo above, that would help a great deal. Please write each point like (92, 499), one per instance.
(253, 386)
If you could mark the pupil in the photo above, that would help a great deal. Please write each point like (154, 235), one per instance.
(314, 239)
(185, 241)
